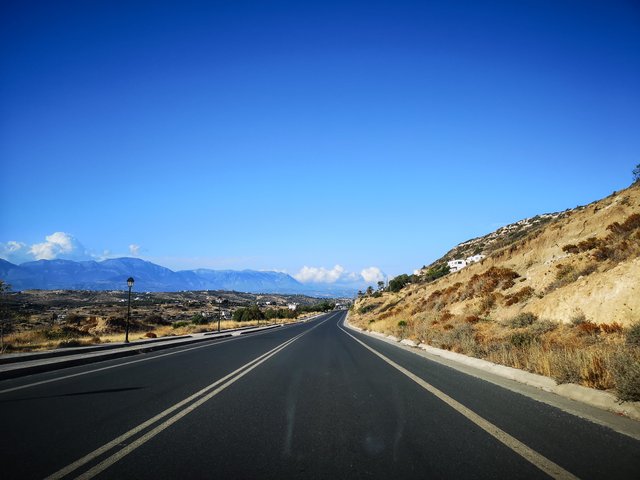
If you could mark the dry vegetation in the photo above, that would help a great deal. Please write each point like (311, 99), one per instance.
(43, 320)
(559, 298)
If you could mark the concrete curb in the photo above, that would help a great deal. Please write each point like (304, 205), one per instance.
(18, 369)
(589, 396)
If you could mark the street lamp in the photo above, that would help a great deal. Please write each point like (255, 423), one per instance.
(219, 302)
(126, 335)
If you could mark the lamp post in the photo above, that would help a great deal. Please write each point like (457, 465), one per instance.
(126, 334)
(219, 302)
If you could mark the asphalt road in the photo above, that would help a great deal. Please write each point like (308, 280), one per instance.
(304, 401)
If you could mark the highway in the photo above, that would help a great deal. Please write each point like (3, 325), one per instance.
(309, 400)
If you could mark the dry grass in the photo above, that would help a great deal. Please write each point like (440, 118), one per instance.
(49, 338)
(582, 353)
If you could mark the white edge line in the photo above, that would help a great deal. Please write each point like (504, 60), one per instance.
(549, 467)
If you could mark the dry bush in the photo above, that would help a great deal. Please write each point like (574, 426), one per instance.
(626, 371)
(483, 284)
(523, 319)
(521, 295)
(614, 327)
(588, 328)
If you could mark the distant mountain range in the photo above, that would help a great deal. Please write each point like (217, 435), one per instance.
(112, 274)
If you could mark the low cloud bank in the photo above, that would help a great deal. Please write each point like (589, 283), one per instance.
(338, 274)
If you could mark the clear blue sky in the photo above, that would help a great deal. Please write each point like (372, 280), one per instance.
(274, 135)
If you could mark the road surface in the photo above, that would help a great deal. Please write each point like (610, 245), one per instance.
(310, 400)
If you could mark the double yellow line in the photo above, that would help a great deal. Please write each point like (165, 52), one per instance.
(183, 408)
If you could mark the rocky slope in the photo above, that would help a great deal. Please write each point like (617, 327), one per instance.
(582, 263)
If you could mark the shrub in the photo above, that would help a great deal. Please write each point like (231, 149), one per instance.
(73, 342)
(368, 308)
(626, 371)
(402, 323)
(248, 314)
(614, 327)
(521, 339)
(570, 248)
(632, 335)
(566, 368)
(397, 283)
(588, 328)
(150, 335)
(542, 326)
(519, 296)
(179, 324)
(578, 318)
(75, 318)
(198, 320)
(588, 244)
(472, 319)
(523, 319)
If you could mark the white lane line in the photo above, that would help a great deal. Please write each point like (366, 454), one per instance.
(229, 379)
(42, 382)
(543, 463)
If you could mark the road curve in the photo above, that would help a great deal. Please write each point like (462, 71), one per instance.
(310, 400)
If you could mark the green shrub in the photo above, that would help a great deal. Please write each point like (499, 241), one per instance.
(199, 320)
(396, 283)
(179, 324)
(402, 323)
(368, 308)
(248, 314)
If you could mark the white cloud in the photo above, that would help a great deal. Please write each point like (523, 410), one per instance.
(134, 249)
(59, 245)
(319, 274)
(372, 275)
(15, 252)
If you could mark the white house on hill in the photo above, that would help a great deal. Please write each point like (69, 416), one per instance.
(458, 264)
(455, 265)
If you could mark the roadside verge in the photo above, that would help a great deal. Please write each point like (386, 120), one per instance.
(19, 365)
(589, 396)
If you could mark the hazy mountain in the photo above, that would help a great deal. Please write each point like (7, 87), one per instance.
(112, 274)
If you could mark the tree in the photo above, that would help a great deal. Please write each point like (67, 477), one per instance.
(380, 285)
(247, 314)
(369, 290)
(636, 174)
(396, 283)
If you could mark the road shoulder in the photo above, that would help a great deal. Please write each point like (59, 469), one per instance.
(589, 404)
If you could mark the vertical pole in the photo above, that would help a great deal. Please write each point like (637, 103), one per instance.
(126, 335)
(219, 314)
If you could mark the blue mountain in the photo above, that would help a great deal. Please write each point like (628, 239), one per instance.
(112, 274)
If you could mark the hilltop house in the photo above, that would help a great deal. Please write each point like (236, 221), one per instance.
(455, 265)
(459, 264)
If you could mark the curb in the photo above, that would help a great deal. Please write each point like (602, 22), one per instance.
(111, 355)
(62, 352)
(589, 396)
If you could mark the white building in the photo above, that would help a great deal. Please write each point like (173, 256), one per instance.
(475, 258)
(292, 306)
(455, 265)
(459, 264)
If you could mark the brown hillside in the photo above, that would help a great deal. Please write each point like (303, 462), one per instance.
(554, 296)
(598, 279)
